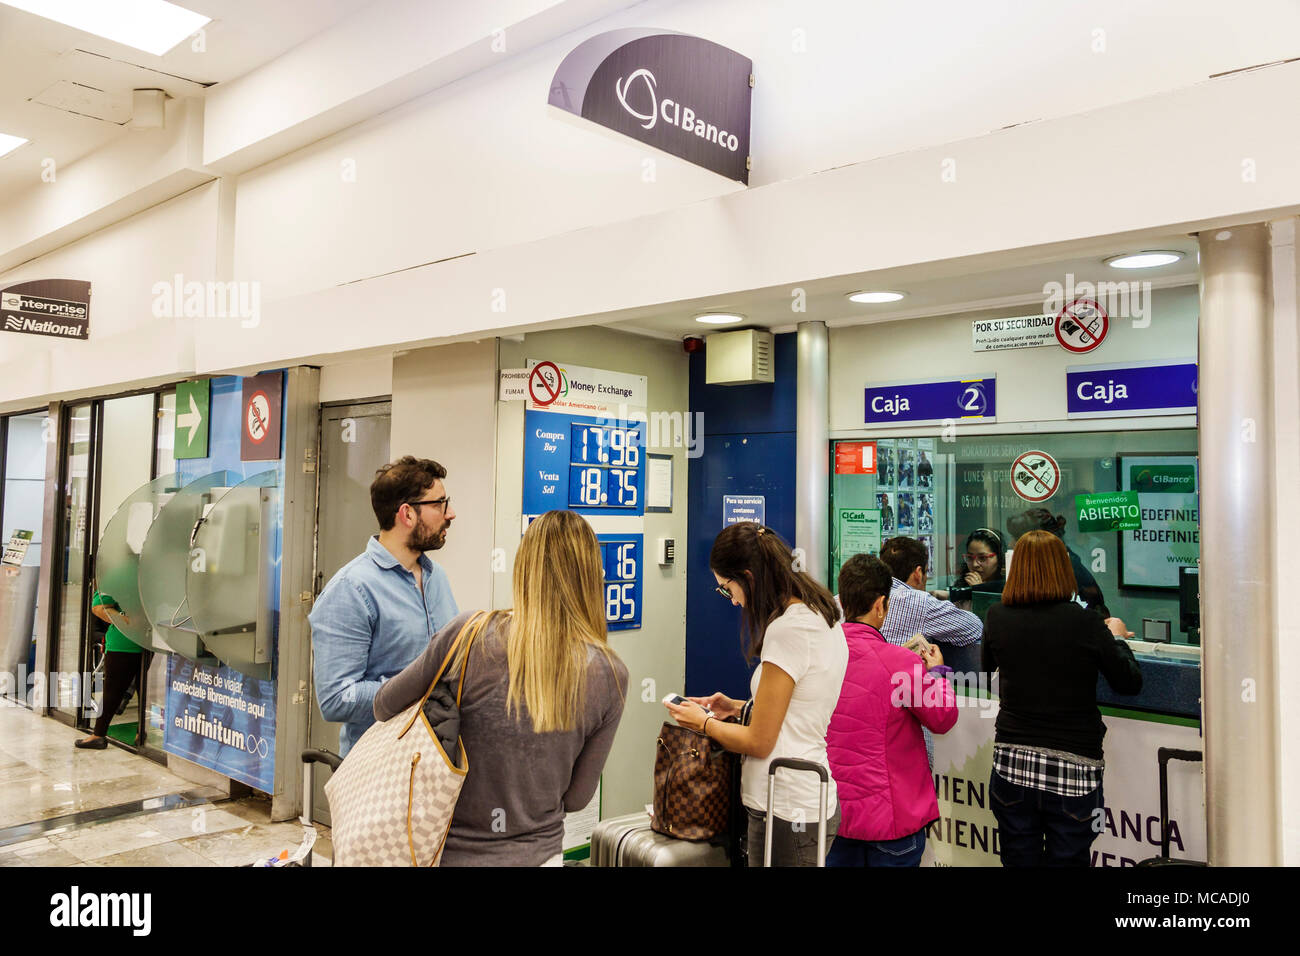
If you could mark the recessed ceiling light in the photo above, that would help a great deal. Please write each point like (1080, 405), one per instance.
(154, 26)
(874, 297)
(9, 143)
(720, 318)
(1143, 260)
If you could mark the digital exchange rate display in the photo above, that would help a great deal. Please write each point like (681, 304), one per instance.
(595, 467)
(621, 559)
(584, 464)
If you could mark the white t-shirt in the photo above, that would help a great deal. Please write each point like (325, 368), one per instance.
(816, 656)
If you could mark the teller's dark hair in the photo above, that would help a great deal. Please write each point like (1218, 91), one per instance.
(756, 559)
(399, 482)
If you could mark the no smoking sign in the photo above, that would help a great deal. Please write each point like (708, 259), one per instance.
(263, 395)
(545, 382)
(1035, 476)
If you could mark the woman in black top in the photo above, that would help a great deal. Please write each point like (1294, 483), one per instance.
(1047, 757)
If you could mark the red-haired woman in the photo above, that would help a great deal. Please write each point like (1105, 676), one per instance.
(1047, 759)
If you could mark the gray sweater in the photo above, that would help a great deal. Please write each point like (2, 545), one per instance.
(520, 783)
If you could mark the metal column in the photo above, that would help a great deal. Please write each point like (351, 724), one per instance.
(1237, 538)
(812, 449)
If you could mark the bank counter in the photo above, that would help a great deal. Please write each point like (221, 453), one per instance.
(1167, 713)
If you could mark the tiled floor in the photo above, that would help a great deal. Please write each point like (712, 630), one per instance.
(42, 776)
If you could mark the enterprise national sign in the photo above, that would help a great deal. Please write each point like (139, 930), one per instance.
(58, 307)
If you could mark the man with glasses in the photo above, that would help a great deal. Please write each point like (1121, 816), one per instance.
(379, 611)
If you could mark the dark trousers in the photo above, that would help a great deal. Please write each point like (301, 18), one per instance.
(792, 844)
(905, 851)
(1038, 828)
(120, 667)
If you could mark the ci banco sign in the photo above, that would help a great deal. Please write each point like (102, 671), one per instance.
(684, 95)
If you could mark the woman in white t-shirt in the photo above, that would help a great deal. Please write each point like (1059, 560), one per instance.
(802, 655)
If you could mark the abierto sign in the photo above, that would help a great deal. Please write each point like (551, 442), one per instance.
(58, 307)
(682, 94)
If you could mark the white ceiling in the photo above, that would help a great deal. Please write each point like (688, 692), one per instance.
(1006, 287)
(44, 60)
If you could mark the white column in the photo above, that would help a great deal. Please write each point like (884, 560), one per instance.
(812, 448)
(1286, 509)
(1239, 577)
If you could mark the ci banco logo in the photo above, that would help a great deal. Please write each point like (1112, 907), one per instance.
(623, 87)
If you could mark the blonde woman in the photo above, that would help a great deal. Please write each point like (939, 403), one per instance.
(543, 697)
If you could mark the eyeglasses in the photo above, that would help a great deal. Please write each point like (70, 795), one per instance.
(445, 501)
(723, 590)
(973, 558)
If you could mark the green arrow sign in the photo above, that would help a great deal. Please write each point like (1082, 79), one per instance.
(1108, 511)
(192, 400)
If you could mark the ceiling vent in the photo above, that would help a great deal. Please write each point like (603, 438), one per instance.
(739, 358)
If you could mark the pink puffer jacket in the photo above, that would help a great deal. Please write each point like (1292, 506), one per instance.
(874, 742)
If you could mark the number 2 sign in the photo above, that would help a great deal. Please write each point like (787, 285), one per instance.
(932, 401)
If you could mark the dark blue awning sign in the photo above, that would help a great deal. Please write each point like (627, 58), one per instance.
(1131, 389)
(932, 401)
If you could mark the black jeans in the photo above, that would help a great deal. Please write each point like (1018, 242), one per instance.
(120, 668)
(1038, 828)
(790, 846)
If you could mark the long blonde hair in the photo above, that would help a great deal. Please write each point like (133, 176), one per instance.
(559, 615)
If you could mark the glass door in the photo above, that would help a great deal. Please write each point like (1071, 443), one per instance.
(68, 671)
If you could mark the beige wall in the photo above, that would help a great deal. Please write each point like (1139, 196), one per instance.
(1031, 382)
(444, 408)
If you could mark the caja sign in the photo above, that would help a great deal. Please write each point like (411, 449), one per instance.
(685, 95)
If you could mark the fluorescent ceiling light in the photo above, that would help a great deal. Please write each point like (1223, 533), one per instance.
(873, 297)
(9, 143)
(154, 26)
(1143, 260)
(720, 318)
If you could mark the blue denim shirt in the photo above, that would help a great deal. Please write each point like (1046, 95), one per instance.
(366, 626)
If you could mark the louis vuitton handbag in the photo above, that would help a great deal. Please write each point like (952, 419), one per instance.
(392, 798)
(692, 792)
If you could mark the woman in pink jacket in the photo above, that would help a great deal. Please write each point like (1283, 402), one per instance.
(874, 742)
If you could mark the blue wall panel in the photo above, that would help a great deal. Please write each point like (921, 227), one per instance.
(749, 449)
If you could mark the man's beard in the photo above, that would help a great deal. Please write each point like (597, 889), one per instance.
(422, 540)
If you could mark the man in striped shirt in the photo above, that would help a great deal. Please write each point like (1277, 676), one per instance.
(912, 610)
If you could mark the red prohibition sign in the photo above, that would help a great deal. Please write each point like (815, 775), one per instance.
(1081, 325)
(257, 417)
(539, 389)
(1034, 483)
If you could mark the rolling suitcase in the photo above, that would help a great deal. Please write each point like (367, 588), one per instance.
(629, 841)
(1163, 756)
(792, 763)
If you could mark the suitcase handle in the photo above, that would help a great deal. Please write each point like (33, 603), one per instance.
(309, 760)
(795, 763)
(1164, 755)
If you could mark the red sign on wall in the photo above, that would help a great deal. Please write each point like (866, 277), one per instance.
(855, 458)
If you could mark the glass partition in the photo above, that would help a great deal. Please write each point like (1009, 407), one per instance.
(117, 560)
(941, 491)
(164, 558)
(231, 579)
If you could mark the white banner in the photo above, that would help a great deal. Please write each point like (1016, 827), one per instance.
(1017, 332)
(966, 833)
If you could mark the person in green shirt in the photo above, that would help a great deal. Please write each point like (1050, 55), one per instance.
(121, 663)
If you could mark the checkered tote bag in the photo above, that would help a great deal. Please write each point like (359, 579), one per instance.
(392, 798)
(692, 793)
